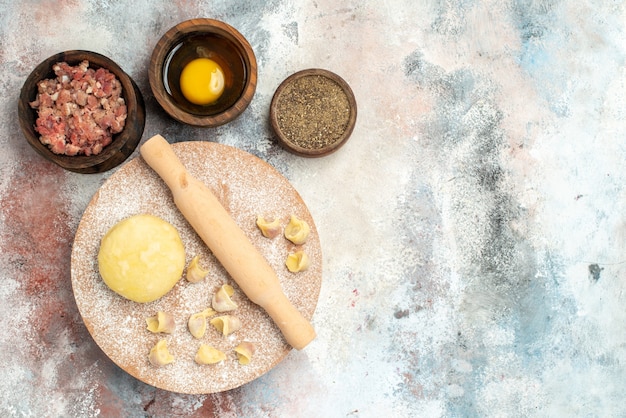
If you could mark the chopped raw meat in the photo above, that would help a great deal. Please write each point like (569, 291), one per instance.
(80, 110)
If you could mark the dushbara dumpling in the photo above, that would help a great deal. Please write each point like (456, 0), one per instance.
(269, 229)
(244, 351)
(226, 324)
(197, 322)
(298, 261)
(161, 322)
(297, 230)
(195, 272)
(160, 354)
(221, 300)
(207, 354)
(141, 258)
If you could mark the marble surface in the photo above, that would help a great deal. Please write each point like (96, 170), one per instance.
(473, 227)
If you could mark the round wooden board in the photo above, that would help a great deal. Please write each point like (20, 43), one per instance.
(247, 187)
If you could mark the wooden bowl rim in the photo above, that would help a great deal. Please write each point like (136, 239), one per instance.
(305, 152)
(123, 143)
(175, 35)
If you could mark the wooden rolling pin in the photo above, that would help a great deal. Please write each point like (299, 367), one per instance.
(227, 241)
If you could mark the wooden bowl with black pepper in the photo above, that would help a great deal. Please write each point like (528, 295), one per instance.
(313, 112)
(203, 72)
(80, 110)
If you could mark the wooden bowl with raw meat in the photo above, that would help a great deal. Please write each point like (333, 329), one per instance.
(80, 110)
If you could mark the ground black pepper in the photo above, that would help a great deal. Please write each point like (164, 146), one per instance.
(313, 112)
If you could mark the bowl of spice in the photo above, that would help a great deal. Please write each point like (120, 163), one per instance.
(80, 110)
(313, 112)
(203, 72)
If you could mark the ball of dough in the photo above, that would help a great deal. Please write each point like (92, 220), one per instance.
(141, 258)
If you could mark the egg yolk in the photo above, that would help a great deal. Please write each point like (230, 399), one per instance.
(202, 81)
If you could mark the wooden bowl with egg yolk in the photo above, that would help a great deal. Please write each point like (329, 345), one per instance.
(203, 72)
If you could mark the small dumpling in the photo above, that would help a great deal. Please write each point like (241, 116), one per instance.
(197, 325)
(222, 301)
(226, 324)
(160, 355)
(298, 261)
(207, 354)
(244, 351)
(195, 272)
(297, 230)
(197, 322)
(161, 322)
(269, 229)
